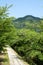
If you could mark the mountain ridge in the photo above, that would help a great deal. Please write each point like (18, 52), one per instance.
(27, 17)
(28, 22)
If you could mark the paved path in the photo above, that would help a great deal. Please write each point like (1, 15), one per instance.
(13, 57)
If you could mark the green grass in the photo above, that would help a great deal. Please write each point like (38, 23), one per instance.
(4, 60)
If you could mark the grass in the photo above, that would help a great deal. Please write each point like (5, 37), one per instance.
(4, 60)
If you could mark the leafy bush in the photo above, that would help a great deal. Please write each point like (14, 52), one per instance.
(30, 46)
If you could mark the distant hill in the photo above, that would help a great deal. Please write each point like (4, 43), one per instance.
(28, 18)
(29, 22)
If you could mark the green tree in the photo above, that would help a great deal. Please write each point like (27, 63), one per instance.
(6, 28)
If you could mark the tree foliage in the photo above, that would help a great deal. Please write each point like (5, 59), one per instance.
(6, 28)
(29, 44)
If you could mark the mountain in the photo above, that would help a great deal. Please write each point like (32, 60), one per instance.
(28, 18)
(28, 22)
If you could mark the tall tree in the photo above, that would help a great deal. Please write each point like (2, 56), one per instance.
(6, 28)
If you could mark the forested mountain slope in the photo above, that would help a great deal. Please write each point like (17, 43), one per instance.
(28, 22)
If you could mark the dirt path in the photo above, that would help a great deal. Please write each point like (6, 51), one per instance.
(13, 57)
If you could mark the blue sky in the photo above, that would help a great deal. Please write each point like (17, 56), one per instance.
(22, 8)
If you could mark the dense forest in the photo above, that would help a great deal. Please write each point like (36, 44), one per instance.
(29, 39)
(24, 35)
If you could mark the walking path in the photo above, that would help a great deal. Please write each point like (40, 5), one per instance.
(14, 58)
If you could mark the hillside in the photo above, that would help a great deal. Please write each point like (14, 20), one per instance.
(28, 22)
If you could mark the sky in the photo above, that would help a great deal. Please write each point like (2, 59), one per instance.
(22, 8)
